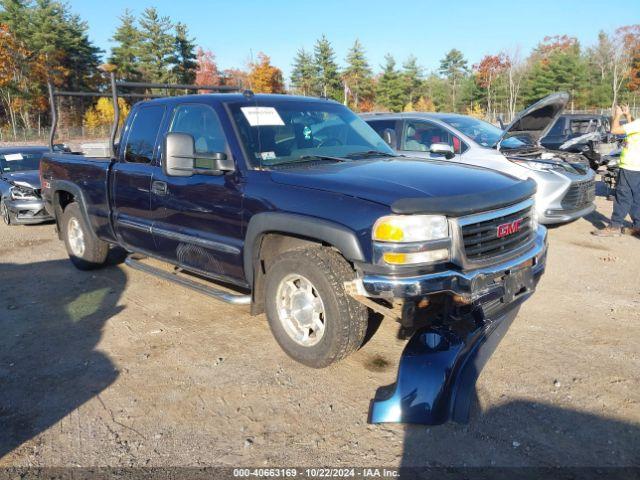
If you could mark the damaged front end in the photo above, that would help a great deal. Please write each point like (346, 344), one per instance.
(439, 368)
(455, 319)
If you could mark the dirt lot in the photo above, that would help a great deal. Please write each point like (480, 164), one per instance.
(116, 368)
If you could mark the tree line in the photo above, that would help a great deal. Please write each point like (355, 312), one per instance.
(43, 40)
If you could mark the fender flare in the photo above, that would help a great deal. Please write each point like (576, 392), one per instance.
(332, 233)
(67, 186)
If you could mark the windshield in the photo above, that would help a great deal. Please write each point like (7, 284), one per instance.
(19, 162)
(483, 133)
(279, 132)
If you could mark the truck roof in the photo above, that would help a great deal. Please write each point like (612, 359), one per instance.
(237, 97)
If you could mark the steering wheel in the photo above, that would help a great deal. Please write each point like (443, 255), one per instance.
(329, 142)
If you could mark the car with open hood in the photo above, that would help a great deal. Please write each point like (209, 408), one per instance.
(566, 184)
(20, 200)
(588, 134)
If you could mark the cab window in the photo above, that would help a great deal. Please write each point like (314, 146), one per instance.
(386, 129)
(203, 124)
(419, 136)
(143, 134)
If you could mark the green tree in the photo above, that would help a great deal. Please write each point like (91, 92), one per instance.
(329, 78)
(304, 75)
(412, 75)
(157, 45)
(184, 57)
(436, 89)
(557, 66)
(454, 67)
(357, 75)
(124, 55)
(58, 39)
(390, 89)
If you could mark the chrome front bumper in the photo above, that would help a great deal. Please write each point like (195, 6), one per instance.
(470, 285)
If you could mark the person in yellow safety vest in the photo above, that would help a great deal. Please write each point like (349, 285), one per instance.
(627, 198)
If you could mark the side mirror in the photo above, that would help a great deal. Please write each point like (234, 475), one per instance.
(389, 136)
(182, 160)
(442, 149)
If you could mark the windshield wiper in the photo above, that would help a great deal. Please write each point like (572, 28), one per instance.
(370, 153)
(309, 158)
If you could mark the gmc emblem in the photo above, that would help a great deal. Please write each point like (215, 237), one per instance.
(509, 228)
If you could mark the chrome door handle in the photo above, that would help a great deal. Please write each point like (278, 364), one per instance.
(159, 188)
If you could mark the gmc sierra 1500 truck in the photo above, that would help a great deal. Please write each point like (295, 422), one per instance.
(302, 208)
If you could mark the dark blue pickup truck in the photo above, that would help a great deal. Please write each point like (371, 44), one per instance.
(301, 208)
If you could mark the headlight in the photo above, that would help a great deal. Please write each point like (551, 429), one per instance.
(410, 228)
(411, 240)
(539, 166)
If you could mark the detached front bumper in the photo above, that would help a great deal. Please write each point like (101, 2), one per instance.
(470, 285)
(442, 361)
(439, 368)
(28, 211)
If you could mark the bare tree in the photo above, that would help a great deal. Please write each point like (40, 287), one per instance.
(623, 42)
(515, 70)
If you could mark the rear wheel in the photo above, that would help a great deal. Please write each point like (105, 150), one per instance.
(85, 250)
(310, 314)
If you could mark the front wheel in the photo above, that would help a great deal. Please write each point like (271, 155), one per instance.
(7, 218)
(85, 250)
(311, 316)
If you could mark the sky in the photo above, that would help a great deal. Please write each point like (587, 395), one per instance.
(424, 28)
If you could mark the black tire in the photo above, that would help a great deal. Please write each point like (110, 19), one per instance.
(345, 319)
(95, 251)
(7, 218)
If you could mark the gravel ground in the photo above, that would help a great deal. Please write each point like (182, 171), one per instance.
(115, 368)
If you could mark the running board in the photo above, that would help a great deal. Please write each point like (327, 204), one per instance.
(232, 298)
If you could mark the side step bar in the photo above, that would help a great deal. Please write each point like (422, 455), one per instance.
(232, 298)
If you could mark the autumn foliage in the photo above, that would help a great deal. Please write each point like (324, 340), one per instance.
(102, 114)
(206, 70)
(264, 77)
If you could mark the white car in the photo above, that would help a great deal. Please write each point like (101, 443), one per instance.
(566, 184)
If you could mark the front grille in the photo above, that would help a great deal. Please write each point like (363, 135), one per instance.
(481, 239)
(580, 195)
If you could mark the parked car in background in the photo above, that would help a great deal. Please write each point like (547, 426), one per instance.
(566, 184)
(20, 200)
(581, 133)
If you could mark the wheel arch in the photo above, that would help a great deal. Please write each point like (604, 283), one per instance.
(64, 193)
(272, 233)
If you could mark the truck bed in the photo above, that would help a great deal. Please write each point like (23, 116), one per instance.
(87, 177)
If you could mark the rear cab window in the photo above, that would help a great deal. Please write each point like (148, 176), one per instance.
(143, 134)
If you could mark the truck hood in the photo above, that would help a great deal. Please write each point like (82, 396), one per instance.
(29, 178)
(385, 181)
(536, 120)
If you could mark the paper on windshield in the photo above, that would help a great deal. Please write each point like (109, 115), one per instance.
(262, 116)
(11, 157)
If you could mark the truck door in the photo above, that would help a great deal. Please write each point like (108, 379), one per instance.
(131, 184)
(198, 218)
